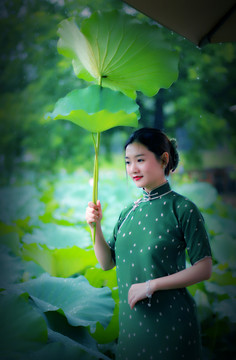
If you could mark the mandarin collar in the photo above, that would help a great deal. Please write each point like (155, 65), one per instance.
(158, 191)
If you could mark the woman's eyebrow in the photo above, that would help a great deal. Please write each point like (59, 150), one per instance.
(136, 155)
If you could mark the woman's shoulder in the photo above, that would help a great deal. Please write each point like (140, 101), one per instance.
(185, 209)
(182, 202)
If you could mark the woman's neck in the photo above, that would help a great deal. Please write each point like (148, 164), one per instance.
(157, 186)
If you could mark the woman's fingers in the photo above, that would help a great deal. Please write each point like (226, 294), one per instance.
(96, 207)
(92, 205)
(136, 293)
(131, 298)
(93, 213)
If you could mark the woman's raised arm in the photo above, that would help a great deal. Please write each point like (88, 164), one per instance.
(101, 248)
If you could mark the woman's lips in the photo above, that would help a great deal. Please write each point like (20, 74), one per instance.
(137, 178)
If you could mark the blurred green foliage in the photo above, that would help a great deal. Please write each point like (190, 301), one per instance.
(197, 109)
(56, 301)
(49, 192)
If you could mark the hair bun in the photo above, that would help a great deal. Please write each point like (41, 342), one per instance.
(174, 154)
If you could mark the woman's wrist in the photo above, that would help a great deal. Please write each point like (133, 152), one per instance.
(149, 292)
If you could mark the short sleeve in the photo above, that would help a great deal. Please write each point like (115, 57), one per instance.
(194, 231)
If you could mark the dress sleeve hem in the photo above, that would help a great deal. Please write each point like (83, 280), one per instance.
(205, 257)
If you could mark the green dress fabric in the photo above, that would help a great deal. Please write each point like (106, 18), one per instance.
(150, 241)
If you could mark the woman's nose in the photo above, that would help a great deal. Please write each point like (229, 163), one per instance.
(134, 168)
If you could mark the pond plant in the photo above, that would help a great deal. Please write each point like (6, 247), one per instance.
(119, 56)
(55, 301)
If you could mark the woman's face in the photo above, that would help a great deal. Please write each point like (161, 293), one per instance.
(143, 167)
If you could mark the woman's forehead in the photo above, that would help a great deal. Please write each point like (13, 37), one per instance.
(136, 149)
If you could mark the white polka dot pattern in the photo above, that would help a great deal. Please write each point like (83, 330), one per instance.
(151, 243)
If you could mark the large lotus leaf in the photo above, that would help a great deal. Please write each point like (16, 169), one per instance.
(61, 349)
(204, 307)
(228, 290)
(219, 225)
(11, 268)
(224, 250)
(201, 193)
(11, 240)
(114, 190)
(226, 308)
(73, 197)
(104, 336)
(121, 52)
(57, 323)
(81, 303)
(59, 262)
(20, 203)
(31, 270)
(64, 342)
(99, 278)
(22, 327)
(75, 350)
(56, 351)
(96, 109)
(59, 237)
(222, 277)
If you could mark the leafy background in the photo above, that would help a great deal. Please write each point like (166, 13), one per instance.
(197, 108)
(55, 299)
(49, 274)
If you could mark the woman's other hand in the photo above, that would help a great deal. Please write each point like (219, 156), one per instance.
(137, 292)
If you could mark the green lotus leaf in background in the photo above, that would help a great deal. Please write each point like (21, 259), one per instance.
(11, 268)
(99, 278)
(224, 276)
(219, 225)
(116, 50)
(224, 250)
(74, 350)
(59, 262)
(230, 290)
(96, 109)
(71, 336)
(22, 326)
(25, 335)
(202, 194)
(204, 307)
(60, 349)
(11, 239)
(31, 270)
(72, 197)
(60, 250)
(59, 237)
(226, 308)
(20, 203)
(81, 303)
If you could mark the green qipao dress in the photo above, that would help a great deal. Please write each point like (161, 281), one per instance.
(150, 241)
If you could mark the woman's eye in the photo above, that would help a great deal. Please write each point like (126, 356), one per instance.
(140, 160)
(127, 163)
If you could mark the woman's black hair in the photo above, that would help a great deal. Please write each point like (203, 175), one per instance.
(158, 143)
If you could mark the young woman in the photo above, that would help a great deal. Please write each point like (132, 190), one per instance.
(157, 315)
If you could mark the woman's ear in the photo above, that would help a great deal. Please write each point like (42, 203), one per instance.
(165, 158)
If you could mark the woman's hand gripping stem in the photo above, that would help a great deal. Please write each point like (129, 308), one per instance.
(101, 248)
(93, 214)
